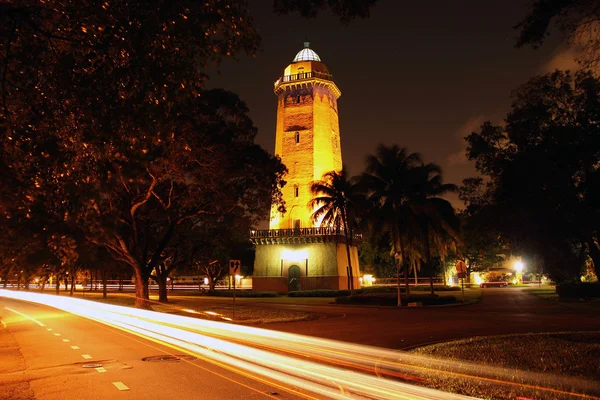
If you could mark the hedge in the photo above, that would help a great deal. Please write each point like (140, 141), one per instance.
(578, 290)
(319, 293)
(385, 299)
(241, 293)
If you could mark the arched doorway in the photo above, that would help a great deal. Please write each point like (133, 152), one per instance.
(293, 278)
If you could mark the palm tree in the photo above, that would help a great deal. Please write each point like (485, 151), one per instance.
(435, 216)
(335, 203)
(386, 182)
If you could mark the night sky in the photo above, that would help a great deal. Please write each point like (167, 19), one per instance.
(419, 74)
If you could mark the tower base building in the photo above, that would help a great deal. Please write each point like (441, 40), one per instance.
(296, 253)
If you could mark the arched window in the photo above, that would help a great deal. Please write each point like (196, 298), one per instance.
(297, 137)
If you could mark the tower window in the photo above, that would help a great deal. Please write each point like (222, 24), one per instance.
(297, 137)
(298, 99)
(296, 190)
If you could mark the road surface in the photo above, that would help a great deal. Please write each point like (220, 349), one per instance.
(49, 362)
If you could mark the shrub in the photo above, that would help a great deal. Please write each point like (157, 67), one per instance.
(578, 290)
(241, 293)
(436, 288)
(390, 299)
(319, 293)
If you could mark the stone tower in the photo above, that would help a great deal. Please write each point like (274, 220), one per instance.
(307, 135)
(296, 253)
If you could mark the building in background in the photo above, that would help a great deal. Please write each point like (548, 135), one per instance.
(296, 253)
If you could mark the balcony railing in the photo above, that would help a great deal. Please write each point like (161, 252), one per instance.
(303, 75)
(300, 232)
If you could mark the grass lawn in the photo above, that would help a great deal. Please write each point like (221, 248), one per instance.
(569, 362)
(549, 293)
(214, 308)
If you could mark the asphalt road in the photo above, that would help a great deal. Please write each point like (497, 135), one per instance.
(49, 362)
(500, 311)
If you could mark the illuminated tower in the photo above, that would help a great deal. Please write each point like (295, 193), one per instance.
(307, 135)
(295, 253)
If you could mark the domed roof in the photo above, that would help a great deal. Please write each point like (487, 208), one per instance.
(306, 54)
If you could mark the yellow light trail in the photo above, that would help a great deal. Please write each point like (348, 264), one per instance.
(243, 348)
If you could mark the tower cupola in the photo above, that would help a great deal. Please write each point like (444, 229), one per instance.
(307, 54)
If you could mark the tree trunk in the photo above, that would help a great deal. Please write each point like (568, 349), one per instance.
(416, 276)
(142, 296)
(431, 282)
(406, 284)
(398, 266)
(211, 283)
(72, 283)
(120, 284)
(443, 261)
(161, 280)
(57, 286)
(104, 284)
(350, 268)
(594, 254)
(43, 285)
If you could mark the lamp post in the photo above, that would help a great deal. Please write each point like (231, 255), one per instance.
(519, 268)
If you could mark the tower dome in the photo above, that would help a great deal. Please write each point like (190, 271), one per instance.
(307, 54)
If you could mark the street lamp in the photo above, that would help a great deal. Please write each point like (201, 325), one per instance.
(519, 269)
(519, 266)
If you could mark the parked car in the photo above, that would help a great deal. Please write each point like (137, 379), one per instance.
(493, 284)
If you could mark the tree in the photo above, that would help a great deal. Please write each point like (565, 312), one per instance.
(385, 183)
(335, 203)
(374, 255)
(106, 126)
(543, 171)
(345, 9)
(435, 216)
(576, 20)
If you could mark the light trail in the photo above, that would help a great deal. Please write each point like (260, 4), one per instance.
(212, 341)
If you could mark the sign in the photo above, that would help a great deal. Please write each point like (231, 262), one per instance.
(462, 275)
(461, 266)
(234, 267)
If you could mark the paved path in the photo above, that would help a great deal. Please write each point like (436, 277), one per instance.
(501, 311)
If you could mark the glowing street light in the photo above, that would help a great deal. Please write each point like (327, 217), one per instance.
(519, 266)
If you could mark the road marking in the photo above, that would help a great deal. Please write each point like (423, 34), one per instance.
(57, 334)
(3, 323)
(100, 369)
(49, 329)
(75, 347)
(26, 316)
(66, 340)
(120, 386)
(86, 356)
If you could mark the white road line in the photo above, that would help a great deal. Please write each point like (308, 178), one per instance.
(26, 316)
(86, 356)
(66, 340)
(120, 386)
(57, 334)
(75, 347)
(49, 329)
(100, 369)
(3, 323)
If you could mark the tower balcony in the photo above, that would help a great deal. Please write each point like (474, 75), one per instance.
(303, 235)
(306, 79)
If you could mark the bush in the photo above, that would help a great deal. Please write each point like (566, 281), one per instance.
(390, 299)
(340, 293)
(436, 288)
(319, 293)
(577, 290)
(241, 293)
